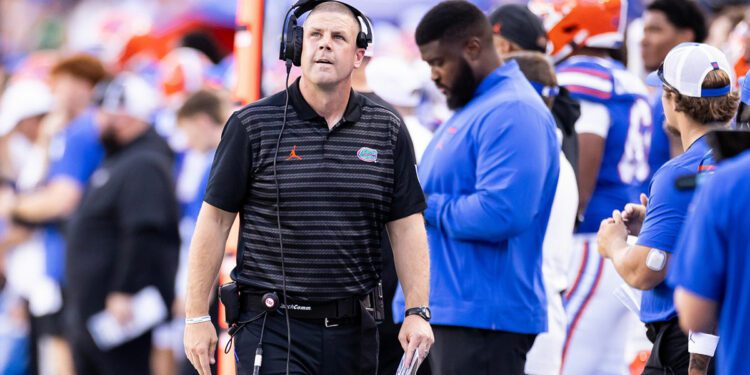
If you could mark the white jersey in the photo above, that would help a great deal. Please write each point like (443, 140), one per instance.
(545, 356)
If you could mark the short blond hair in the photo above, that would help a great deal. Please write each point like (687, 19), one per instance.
(337, 7)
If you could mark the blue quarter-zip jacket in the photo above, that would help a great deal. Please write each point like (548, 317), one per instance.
(490, 175)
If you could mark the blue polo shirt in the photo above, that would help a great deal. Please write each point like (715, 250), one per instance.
(665, 214)
(714, 257)
(490, 175)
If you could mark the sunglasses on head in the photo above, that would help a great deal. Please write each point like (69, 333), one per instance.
(660, 74)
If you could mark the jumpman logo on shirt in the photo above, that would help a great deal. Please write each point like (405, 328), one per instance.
(293, 154)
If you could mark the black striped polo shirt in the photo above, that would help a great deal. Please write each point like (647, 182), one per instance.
(338, 188)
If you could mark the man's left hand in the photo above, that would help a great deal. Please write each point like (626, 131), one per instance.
(416, 333)
(611, 230)
(119, 305)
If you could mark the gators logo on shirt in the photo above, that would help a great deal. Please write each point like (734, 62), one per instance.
(367, 154)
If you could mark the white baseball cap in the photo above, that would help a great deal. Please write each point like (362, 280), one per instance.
(687, 65)
(21, 100)
(129, 93)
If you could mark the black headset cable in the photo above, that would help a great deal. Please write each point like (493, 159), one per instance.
(278, 220)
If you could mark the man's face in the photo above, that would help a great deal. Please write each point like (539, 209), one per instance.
(196, 129)
(659, 36)
(329, 52)
(71, 93)
(30, 127)
(111, 125)
(670, 120)
(451, 73)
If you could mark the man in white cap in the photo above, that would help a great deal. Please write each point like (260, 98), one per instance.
(22, 108)
(124, 237)
(697, 82)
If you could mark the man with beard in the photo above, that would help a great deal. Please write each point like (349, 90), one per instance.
(489, 176)
(124, 237)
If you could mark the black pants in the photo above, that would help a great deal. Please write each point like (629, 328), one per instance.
(669, 356)
(462, 350)
(132, 357)
(316, 349)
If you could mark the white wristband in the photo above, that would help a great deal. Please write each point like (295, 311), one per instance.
(702, 343)
(632, 240)
(198, 319)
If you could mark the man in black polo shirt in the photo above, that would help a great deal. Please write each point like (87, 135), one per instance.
(345, 170)
(124, 237)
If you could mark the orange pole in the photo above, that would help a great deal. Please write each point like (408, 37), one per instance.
(248, 50)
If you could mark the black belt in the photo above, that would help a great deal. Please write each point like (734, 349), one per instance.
(337, 309)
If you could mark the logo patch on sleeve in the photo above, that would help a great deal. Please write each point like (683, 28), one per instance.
(367, 154)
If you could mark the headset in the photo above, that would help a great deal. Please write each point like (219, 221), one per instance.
(290, 51)
(291, 34)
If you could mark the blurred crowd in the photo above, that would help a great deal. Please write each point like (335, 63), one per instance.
(172, 63)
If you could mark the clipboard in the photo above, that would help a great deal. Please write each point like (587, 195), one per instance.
(413, 367)
(148, 311)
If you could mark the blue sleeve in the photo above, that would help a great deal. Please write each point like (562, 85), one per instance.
(666, 211)
(81, 156)
(700, 265)
(513, 159)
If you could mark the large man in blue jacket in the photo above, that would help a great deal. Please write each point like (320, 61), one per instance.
(489, 176)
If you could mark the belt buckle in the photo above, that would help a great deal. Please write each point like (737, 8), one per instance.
(330, 325)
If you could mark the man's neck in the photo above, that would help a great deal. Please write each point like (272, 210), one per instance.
(137, 131)
(693, 131)
(329, 103)
(359, 80)
(490, 62)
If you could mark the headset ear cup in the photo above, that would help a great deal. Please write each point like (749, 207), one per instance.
(361, 40)
(297, 35)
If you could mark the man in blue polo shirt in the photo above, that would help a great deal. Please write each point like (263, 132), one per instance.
(697, 84)
(711, 270)
(489, 175)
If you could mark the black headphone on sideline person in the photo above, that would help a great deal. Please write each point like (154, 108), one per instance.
(290, 51)
(291, 34)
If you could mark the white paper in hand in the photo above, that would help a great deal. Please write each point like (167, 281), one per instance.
(148, 310)
(412, 370)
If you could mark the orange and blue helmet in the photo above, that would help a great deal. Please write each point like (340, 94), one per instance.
(572, 24)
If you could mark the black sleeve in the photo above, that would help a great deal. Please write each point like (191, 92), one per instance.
(147, 217)
(408, 197)
(231, 169)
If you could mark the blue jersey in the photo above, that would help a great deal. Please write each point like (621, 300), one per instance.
(665, 215)
(192, 170)
(74, 155)
(714, 257)
(626, 125)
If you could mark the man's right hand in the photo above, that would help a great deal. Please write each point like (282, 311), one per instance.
(200, 346)
(634, 214)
